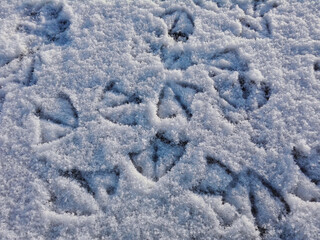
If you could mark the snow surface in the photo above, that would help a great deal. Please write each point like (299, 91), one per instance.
(160, 119)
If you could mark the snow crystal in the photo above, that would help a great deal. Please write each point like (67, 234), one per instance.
(194, 119)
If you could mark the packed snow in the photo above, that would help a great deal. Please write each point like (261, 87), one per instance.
(191, 119)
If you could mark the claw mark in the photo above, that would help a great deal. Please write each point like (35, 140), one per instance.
(176, 58)
(244, 87)
(274, 192)
(266, 89)
(30, 79)
(88, 180)
(260, 219)
(112, 93)
(257, 184)
(77, 175)
(46, 21)
(73, 109)
(267, 24)
(254, 212)
(176, 98)
(211, 161)
(158, 159)
(133, 156)
(120, 107)
(254, 12)
(58, 117)
(207, 189)
(262, 7)
(184, 106)
(8, 61)
(17, 66)
(63, 197)
(308, 168)
(66, 108)
(230, 59)
(2, 99)
(162, 95)
(180, 24)
(316, 66)
(240, 93)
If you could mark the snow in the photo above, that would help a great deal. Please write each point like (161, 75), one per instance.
(194, 119)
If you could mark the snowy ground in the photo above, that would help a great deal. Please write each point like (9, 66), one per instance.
(160, 119)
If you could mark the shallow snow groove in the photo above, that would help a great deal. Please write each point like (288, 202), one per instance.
(192, 119)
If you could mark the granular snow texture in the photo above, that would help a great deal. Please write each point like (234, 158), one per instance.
(160, 119)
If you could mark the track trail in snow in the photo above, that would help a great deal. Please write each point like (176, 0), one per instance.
(177, 119)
